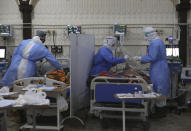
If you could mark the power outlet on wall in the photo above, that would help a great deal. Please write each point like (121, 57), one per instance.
(59, 49)
(56, 49)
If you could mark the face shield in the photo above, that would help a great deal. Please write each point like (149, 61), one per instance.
(150, 33)
(110, 42)
(147, 35)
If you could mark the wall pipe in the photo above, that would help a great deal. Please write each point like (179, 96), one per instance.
(26, 10)
(182, 10)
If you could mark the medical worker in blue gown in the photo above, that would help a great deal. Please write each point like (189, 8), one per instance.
(104, 59)
(159, 70)
(25, 56)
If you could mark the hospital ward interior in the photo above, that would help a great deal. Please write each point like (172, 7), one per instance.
(95, 65)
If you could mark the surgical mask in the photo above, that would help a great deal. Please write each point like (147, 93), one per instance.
(111, 48)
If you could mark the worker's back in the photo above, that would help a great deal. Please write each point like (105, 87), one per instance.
(28, 49)
(24, 59)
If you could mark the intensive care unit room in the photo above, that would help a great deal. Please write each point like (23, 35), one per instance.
(95, 65)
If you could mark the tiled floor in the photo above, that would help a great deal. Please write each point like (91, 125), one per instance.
(172, 122)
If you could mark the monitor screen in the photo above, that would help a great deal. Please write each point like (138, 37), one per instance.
(5, 30)
(119, 29)
(72, 29)
(172, 52)
(2, 52)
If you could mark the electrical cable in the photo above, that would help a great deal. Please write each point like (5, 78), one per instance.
(53, 34)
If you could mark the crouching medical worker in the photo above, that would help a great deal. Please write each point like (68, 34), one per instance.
(159, 70)
(25, 56)
(104, 58)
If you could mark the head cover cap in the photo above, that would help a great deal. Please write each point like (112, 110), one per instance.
(41, 34)
(150, 33)
(110, 41)
(148, 29)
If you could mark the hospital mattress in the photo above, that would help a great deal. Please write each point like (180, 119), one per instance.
(105, 92)
(104, 88)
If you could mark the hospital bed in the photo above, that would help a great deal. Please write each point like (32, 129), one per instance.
(103, 104)
(56, 105)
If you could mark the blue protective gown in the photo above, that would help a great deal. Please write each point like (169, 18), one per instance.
(159, 70)
(104, 60)
(23, 63)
